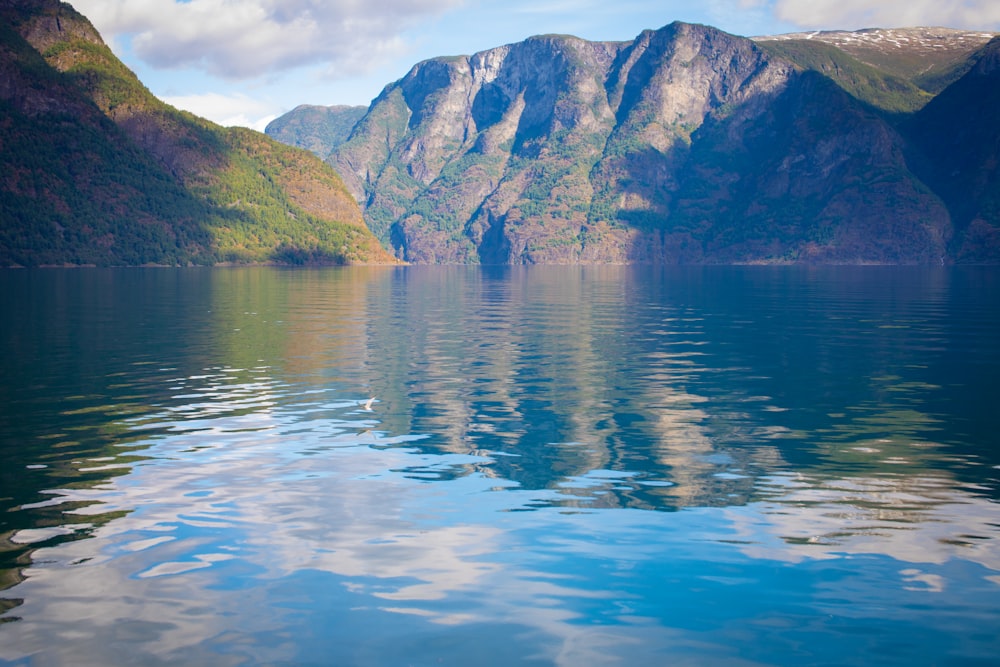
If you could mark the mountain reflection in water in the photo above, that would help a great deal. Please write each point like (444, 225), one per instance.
(747, 465)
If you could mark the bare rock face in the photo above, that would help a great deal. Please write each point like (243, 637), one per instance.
(512, 155)
(686, 144)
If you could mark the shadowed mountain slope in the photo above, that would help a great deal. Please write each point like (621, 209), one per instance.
(958, 133)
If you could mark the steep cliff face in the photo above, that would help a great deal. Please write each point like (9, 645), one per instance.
(448, 152)
(686, 144)
(673, 85)
(95, 170)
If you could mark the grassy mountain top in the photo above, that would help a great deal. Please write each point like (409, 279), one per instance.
(99, 171)
(865, 82)
(930, 58)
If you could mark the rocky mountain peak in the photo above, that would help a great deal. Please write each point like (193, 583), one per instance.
(44, 23)
(684, 144)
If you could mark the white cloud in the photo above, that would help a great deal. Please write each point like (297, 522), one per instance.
(262, 57)
(241, 39)
(850, 14)
(227, 110)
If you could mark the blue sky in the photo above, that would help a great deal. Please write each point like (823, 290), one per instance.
(244, 62)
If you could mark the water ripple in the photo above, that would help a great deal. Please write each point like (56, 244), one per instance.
(561, 466)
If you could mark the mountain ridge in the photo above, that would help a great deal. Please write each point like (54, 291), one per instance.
(662, 149)
(684, 145)
(932, 56)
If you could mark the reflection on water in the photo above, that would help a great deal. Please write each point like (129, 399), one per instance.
(561, 466)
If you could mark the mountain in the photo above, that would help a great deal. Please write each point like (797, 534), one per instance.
(96, 170)
(930, 58)
(315, 128)
(958, 135)
(686, 144)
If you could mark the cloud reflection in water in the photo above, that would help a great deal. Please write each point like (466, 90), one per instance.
(551, 474)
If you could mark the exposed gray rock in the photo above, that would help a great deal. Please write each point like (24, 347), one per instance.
(685, 144)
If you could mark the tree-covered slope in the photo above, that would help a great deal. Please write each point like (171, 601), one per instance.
(96, 170)
(73, 188)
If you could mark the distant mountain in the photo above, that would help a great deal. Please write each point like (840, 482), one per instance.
(688, 144)
(316, 128)
(95, 170)
(931, 58)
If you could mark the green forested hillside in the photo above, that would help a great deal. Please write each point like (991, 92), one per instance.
(96, 170)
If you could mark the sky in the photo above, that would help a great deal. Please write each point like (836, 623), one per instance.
(245, 62)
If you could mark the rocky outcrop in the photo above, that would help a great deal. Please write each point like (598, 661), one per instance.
(686, 144)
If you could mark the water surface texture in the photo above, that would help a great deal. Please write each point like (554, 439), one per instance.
(561, 466)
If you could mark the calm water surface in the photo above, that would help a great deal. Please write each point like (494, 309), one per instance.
(562, 466)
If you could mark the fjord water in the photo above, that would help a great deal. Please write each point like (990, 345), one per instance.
(572, 466)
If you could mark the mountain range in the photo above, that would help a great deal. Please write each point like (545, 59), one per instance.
(95, 170)
(684, 145)
(691, 145)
